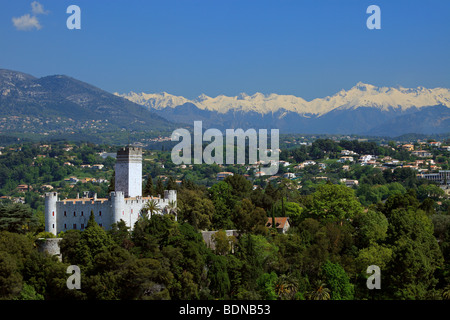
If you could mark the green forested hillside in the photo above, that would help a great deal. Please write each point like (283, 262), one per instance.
(392, 220)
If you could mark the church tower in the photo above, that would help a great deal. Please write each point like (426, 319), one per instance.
(128, 177)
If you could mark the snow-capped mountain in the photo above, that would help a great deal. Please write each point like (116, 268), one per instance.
(156, 101)
(383, 98)
(363, 109)
(361, 95)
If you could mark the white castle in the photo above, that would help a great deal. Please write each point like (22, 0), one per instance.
(125, 203)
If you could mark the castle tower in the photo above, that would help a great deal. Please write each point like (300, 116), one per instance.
(50, 212)
(128, 177)
(117, 206)
(170, 195)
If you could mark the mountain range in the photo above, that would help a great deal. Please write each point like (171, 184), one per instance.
(61, 105)
(363, 109)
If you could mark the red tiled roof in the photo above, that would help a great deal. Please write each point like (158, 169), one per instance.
(280, 222)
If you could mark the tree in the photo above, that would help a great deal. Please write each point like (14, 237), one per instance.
(81, 247)
(338, 281)
(10, 277)
(334, 203)
(196, 210)
(240, 186)
(171, 184)
(151, 206)
(218, 275)
(172, 208)
(120, 234)
(271, 192)
(112, 182)
(321, 292)
(267, 286)
(248, 218)
(223, 243)
(29, 293)
(415, 255)
(159, 190)
(15, 250)
(372, 226)
(258, 255)
(148, 189)
(375, 254)
(95, 237)
(400, 201)
(146, 279)
(286, 287)
(429, 191)
(292, 210)
(190, 254)
(17, 218)
(220, 195)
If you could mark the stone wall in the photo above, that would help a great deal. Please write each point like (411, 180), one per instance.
(50, 246)
(210, 243)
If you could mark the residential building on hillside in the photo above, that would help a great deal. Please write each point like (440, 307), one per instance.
(442, 177)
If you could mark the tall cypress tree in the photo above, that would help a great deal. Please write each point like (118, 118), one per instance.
(112, 182)
(159, 187)
(148, 189)
(274, 227)
(171, 184)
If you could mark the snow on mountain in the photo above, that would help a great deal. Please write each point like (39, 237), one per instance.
(366, 95)
(361, 95)
(156, 101)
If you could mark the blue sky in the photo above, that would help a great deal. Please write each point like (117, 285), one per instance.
(189, 47)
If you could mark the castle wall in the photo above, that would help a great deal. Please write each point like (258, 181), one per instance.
(75, 213)
(125, 203)
(50, 246)
(209, 240)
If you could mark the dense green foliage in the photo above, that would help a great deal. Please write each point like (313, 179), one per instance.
(392, 220)
(323, 256)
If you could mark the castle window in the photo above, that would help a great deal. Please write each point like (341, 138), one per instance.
(65, 226)
(100, 213)
(53, 213)
(65, 214)
(82, 226)
(131, 211)
(53, 226)
(74, 225)
(82, 214)
(74, 214)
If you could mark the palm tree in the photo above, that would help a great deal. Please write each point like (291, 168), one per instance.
(446, 293)
(171, 208)
(152, 207)
(321, 293)
(286, 287)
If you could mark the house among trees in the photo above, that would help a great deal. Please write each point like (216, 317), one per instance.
(349, 182)
(281, 224)
(24, 188)
(222, 175)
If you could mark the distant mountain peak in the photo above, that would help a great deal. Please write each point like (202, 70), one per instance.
(242, 96)
(61, 96)
(364, 86)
